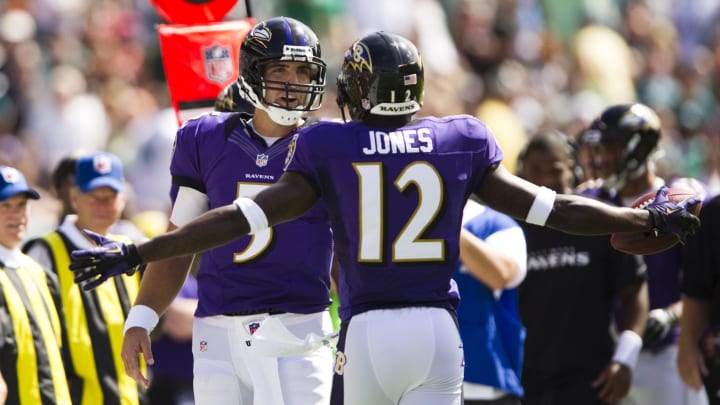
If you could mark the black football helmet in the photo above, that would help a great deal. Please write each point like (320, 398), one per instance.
(382, 74)
(231, 99)
(634, 126)
(274, 40)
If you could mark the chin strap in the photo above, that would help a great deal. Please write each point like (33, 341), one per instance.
(278, 115)
(282, 116)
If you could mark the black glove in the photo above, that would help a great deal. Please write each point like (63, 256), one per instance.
(111, 258)
(660, 323)
(671, 217)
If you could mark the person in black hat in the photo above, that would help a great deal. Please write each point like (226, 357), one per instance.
(29, 318)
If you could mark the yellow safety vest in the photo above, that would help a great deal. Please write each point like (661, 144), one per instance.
(94, 322)
(31, 334)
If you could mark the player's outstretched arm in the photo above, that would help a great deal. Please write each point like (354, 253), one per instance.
(515, 196)
(285, 200)
(581, 215)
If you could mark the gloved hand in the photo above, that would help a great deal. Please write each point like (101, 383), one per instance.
(660, 323)
(111, 258)
(671, 217)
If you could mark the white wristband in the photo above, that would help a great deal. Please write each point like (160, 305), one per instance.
(541, 207)
(254, 215)
(628, 349)
(141, 316)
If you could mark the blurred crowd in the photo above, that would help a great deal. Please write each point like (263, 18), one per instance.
(82, 75)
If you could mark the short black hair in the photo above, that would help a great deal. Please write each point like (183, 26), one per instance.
(65, 170)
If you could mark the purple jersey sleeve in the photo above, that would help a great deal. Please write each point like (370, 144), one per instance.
(185, 164)
(395, 200)
(189, 289)
(285, 268)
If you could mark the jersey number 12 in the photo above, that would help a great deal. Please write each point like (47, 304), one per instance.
(408, 246)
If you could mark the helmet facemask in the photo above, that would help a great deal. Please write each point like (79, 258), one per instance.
(632, 128)
(308, 95)
(280, 40)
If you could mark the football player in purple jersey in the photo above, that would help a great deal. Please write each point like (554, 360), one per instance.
(394, 188)
(281, 273)
(622, 141)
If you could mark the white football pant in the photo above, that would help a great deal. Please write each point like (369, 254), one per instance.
(228, 371)
(656, 381)
(405, 356)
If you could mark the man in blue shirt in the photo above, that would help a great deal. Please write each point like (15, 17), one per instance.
(492, 265)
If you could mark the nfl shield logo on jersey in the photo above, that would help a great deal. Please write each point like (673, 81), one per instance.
(218, 64)
(253, 327)
(262, 160)
(203, 345)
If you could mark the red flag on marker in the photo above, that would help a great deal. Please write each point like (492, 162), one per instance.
(199, 61)
(193, 11)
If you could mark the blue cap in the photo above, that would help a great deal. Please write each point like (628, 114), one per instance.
(12, 183)
(98, 170)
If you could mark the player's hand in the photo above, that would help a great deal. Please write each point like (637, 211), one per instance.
(111, 258)
(613, 383)
(135, 344)
(660, 322)
(672, 217)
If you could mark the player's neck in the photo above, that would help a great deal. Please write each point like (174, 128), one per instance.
(387, 122)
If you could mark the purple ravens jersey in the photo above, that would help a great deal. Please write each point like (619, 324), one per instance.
(286, 268)
(395, 199)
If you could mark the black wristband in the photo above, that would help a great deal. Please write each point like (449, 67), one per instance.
(133, 259)
(657, 221)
